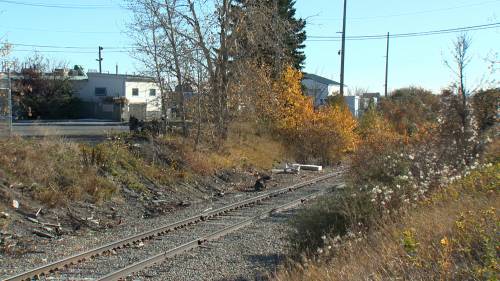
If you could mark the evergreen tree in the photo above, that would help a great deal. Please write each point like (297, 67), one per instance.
(275, 40)
(297, 36)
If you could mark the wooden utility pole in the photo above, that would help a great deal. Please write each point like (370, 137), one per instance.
(342, 58)
(9, 101)
(387, 65)
(100, 59)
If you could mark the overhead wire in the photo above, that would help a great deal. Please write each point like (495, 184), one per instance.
(411, 13)
(311, 38)
(66, 52)
(66, 47)
(61, 31)
(59, 6)
(405, 35)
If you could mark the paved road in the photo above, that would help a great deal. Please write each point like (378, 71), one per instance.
(68, 128)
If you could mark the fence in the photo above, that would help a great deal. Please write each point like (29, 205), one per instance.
(5, 105)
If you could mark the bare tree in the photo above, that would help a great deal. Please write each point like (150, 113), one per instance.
(460, 121)
(155, 29)
(493, 60)
(214, 44)
(5, 50)
(207, 44)
(458, 65)
(145, 31)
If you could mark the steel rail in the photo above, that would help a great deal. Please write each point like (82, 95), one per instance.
(77, 258)
(138, 266)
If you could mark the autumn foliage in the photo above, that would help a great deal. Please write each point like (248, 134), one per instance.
(313, 135)
(376, 131)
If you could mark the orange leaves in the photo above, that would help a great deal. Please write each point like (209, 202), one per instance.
(376, 131)
(336, 121)
(323, 134)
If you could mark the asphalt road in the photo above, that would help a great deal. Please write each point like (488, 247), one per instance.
(68, 128)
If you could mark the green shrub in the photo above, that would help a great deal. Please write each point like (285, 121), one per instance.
(329, 217)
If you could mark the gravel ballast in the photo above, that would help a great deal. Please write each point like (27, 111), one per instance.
(248, 254)
(242, 255)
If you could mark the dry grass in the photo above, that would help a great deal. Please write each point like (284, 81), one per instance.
(56, 171)
(453, 236)
(245, 149)
(51, 170)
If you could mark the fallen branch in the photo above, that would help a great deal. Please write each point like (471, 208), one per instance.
(43, 234)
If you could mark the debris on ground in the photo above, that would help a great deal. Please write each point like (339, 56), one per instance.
(43, 234)
(261, 182)
(293, 170)
(315, 168)
(160, 207)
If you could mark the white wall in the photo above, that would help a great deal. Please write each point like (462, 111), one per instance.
(353, 104)
(115, 86)
(320, 92)
(332, 89)
(153, 103)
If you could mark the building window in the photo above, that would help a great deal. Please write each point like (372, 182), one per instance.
(100, 92)
(135, 92)
(152, 92)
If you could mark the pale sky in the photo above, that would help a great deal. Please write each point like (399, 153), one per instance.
(413, 61)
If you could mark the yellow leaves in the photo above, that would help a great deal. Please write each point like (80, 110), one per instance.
(460, 225)
(292, 109)
(337, 122)
(410, 243)
(445, 242)
(376, 131)
(325, 133)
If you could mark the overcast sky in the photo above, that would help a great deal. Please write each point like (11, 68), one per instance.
(413, 61)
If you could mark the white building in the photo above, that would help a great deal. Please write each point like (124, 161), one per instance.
(319, 88)
(118, 96)
(353, 104)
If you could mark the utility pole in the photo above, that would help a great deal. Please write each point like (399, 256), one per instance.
(10, 101)
(100, 59)
(387, 65)
(342, 58)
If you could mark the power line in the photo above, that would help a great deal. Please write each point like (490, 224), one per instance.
(64, 47)
(414, 13)
(409, 34)
(59, 6)
(124, 49)
(61, 31)
(63, 51)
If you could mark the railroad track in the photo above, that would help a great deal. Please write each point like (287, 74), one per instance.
(119, 259)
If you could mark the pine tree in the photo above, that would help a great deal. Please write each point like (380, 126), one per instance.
(296, 38)
(257, 38)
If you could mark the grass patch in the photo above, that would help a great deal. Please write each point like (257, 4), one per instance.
(245, 149)
(56, 171)
(51, 170)
(453, 235)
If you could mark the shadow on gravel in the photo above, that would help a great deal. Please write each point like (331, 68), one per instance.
(257, 278)
(262, 261)
(272, 260)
